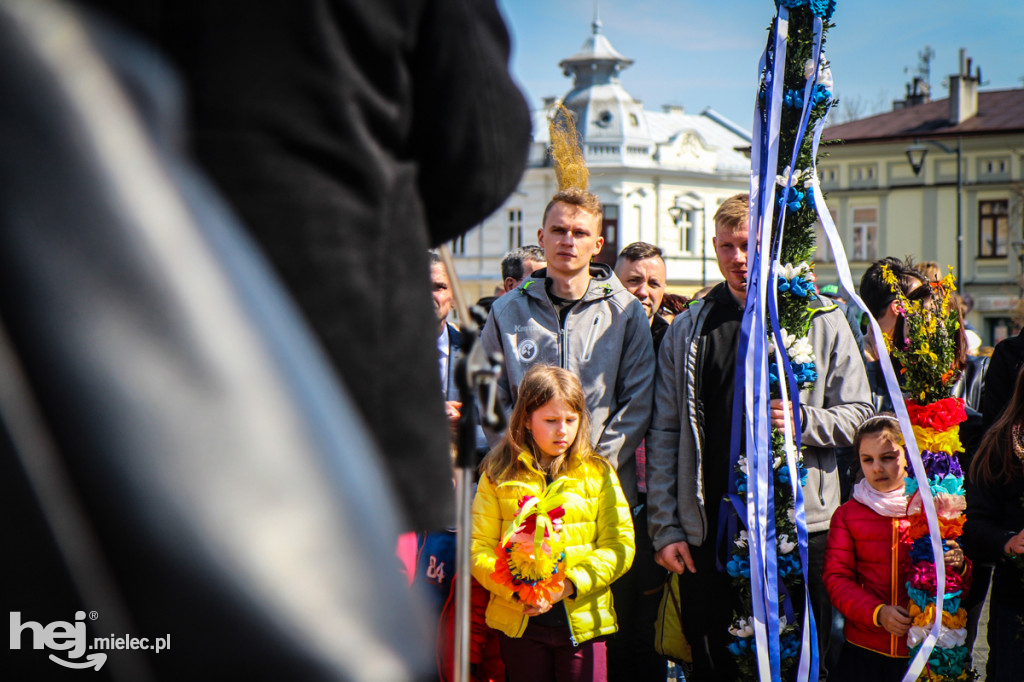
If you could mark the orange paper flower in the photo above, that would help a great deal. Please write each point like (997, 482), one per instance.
(948, 528)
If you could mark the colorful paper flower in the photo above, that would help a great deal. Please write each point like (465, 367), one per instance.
(531, 555)
(938, 441)
(948, 528)
(941, 415)
(925, 617)
(946, 506)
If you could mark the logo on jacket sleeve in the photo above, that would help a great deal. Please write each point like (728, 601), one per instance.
(527, 350)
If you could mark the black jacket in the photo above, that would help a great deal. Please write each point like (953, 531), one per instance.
(1007, 359)
(994, 515)
(351, 136)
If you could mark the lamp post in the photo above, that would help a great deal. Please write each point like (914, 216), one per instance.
(915, 154)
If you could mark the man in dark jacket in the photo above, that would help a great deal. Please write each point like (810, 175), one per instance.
(688, 443)
(631, 653)
(641, 269)
(351, 136)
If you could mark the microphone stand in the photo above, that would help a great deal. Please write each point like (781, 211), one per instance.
(476, 375)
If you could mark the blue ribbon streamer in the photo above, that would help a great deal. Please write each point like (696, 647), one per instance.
(752, 373)
(752, 370)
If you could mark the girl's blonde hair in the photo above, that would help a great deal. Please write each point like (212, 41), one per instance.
(541, 384)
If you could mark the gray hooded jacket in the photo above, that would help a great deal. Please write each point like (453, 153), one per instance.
(605, 341)
(831, 412)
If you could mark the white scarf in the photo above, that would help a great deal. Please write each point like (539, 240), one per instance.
(892, 504)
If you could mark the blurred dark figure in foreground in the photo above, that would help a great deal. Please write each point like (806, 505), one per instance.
(177, 462)
(350, 136)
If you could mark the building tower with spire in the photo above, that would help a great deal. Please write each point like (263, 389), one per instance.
(661, 175)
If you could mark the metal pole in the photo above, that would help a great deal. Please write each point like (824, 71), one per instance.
(464, 469)
(464, 488)
(959, 216)
(475, 372)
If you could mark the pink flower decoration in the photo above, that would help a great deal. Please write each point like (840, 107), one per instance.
(946, 506)
(921, 576)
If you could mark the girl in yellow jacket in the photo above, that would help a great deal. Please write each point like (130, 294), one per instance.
(559, 638)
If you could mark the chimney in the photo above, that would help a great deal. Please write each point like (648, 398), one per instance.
(917, 93)
(672, 108)
(963, 91)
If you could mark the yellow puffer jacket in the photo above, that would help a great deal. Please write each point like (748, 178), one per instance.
(599, 548)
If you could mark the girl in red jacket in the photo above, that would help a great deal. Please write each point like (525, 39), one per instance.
(866, 559)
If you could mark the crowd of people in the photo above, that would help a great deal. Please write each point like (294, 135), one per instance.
(625, 391)
(346, 139)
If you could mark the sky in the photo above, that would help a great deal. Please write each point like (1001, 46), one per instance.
(705, 54)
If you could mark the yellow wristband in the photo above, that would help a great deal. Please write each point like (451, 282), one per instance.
(874, 616)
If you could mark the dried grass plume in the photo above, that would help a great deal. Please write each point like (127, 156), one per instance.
(566, 153)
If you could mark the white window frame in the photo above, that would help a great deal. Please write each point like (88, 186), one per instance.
(867, 231)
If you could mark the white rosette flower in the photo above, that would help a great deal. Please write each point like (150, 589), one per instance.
(948, 638)
(742, 628)
(811, 181)
(787, 339)
(916, 635)
(824, 72)
(951, 638)
(741, 540)
(785, 545)
(801, 351)
(741, 462)
(785, 626)
(791, 515)
(791, 178)
(789, 271)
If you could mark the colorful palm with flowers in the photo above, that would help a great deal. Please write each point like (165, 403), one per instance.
(929, 366)
(531, 554)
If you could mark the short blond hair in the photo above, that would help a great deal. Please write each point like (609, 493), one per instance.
(733, 212)
(574, 196)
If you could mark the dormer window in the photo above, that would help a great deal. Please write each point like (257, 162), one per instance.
(634, 121)
(604, 119)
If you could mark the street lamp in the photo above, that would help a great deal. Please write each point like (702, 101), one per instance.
(915, 154)
(691, 203)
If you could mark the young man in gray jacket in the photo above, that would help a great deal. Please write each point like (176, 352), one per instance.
(688, 443)
(575, 314)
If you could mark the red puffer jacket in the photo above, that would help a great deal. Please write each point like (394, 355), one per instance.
(866, 561)
(484, 651)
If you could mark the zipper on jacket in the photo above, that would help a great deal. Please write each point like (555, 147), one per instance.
(561, 347)
(588, 347)
(698, 407)
(568, 619)
(894, 561)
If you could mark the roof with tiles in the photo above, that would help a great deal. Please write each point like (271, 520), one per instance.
(999, 112)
